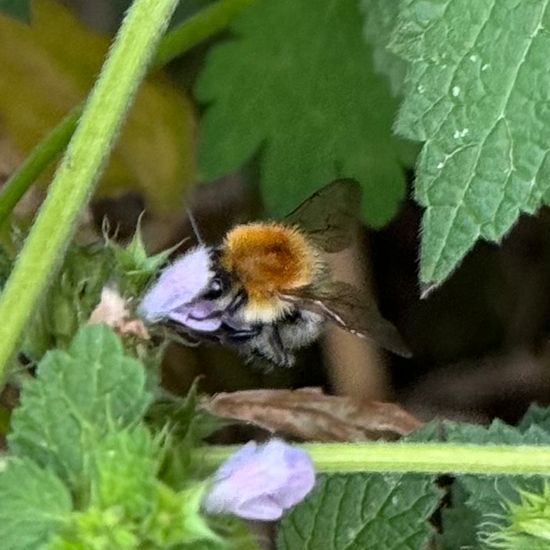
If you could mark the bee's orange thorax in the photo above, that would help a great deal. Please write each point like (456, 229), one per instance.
(269, 258)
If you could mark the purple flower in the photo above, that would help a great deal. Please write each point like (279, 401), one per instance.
(175, 295)
(260, 482)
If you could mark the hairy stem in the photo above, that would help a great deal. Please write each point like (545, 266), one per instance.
(80, 168)
(429, 458)
(179, 40)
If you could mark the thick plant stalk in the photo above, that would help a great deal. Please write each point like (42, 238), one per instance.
(80, 168)
(428, 458)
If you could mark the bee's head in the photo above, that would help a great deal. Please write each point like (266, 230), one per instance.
(192, 291)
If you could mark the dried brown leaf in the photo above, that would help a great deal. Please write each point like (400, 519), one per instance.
(311, 415)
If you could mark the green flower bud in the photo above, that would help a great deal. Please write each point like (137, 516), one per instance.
(526, 525)
(134, 267)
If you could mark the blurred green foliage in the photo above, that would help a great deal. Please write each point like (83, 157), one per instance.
(155, 153)
(296, 84)
(19, 9)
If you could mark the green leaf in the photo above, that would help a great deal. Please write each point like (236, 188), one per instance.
(178, 519)
(536, 416)
(121, 493)
(78, 396)
(34, 504)
(175, 521)
(186, 427)
(476, 92)
(183, 417)
(127, 506)
(96, 529)
(125, 468)
(298, 84)
(358, 511)
(459, 523)
(18, 9)
(380, 19)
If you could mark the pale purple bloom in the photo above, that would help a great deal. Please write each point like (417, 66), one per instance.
(175, 295)
(260, 482)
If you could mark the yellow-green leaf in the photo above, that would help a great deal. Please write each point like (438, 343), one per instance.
(49, 67)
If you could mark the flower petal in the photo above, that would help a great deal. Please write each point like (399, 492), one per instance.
(260, 509)
(179, 284)
(261, 481)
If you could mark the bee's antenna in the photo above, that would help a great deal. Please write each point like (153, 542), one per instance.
(194, 226)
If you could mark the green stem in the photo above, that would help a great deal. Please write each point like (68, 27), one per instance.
(428, 458)
(80, 168)
(36, 162)
(181, 39)
(198, 28)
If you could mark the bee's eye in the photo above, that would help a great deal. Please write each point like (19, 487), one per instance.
(215, 290)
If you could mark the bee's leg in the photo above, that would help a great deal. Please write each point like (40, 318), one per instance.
(274, 349)
(279, 342)
(241, 334)
(185, 340)
(183, 337)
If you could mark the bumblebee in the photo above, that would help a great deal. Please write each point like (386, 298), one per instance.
(267, 290)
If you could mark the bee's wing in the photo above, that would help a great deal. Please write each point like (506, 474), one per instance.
(330, 215)
(338, 302)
